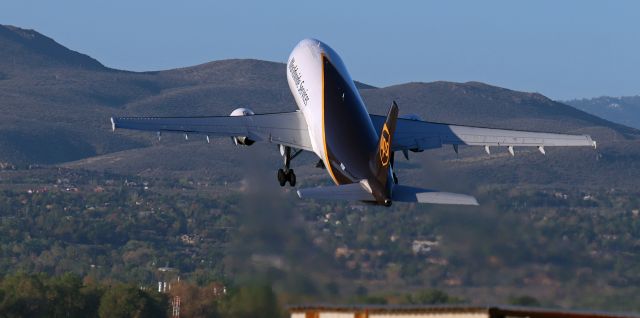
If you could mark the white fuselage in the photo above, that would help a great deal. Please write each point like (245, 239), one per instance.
(306, 78)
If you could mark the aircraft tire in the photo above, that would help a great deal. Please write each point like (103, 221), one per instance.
(282, 177)
(292, 178)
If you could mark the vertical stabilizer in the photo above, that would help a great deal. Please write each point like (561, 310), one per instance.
(381, 161)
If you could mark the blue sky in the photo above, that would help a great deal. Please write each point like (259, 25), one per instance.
(563, 49)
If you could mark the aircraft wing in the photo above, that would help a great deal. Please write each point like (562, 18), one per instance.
(289, 129)
(419, 135)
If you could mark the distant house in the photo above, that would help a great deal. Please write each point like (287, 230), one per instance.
(423, 246)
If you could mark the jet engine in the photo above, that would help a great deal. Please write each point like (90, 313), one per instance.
(242, 140)
(412, 117)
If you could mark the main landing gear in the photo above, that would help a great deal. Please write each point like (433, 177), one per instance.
(286, 174)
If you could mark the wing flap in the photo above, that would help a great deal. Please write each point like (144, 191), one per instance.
(420, 135)
(289, 129)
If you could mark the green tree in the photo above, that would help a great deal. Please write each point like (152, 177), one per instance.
(64, 297)
(129, 301)
(92, 294)
(23, 296)
(432, 297)
(372, 300)
(253, 301)
(332, 288)
(524, 300)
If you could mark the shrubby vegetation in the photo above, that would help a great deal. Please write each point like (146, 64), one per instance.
(557, 244)
(39, 295)
(23, 295)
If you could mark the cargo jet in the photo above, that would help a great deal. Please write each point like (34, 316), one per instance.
(356, 148)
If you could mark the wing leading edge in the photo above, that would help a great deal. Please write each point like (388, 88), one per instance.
(289, 129)
(421, 135)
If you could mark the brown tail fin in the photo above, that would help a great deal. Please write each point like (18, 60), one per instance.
(382, 159)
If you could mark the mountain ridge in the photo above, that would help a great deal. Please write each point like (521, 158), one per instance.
(41, 50)
(624, 110)
(73, 95)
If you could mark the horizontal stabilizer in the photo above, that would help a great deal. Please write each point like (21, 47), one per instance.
(411, 194)
(359, 192)
(349, 192)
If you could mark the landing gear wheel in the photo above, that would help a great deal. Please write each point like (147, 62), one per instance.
(292, 178)
(285, 174)
(282, 177)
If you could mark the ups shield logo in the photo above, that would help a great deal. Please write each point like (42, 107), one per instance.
(385, 146)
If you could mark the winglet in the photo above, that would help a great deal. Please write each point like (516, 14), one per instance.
(113, 124)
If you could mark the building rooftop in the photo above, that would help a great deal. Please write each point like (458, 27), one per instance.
(490, 310)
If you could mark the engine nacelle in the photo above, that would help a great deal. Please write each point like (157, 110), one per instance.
(242, 140)
(412, 117)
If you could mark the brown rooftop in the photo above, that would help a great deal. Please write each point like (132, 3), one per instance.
(492, 311)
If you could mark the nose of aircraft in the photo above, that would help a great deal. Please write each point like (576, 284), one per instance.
(310, 42)
(308, 46)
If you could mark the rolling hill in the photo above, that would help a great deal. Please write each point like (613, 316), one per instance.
(57, 103)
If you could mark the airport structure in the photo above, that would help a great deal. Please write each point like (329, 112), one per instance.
(385, 311)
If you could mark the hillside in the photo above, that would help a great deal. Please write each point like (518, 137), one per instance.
(47, 88)
(481, 104)
(623, 110)
(21, 48)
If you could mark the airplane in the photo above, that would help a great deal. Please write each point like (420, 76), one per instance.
(356, 148)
